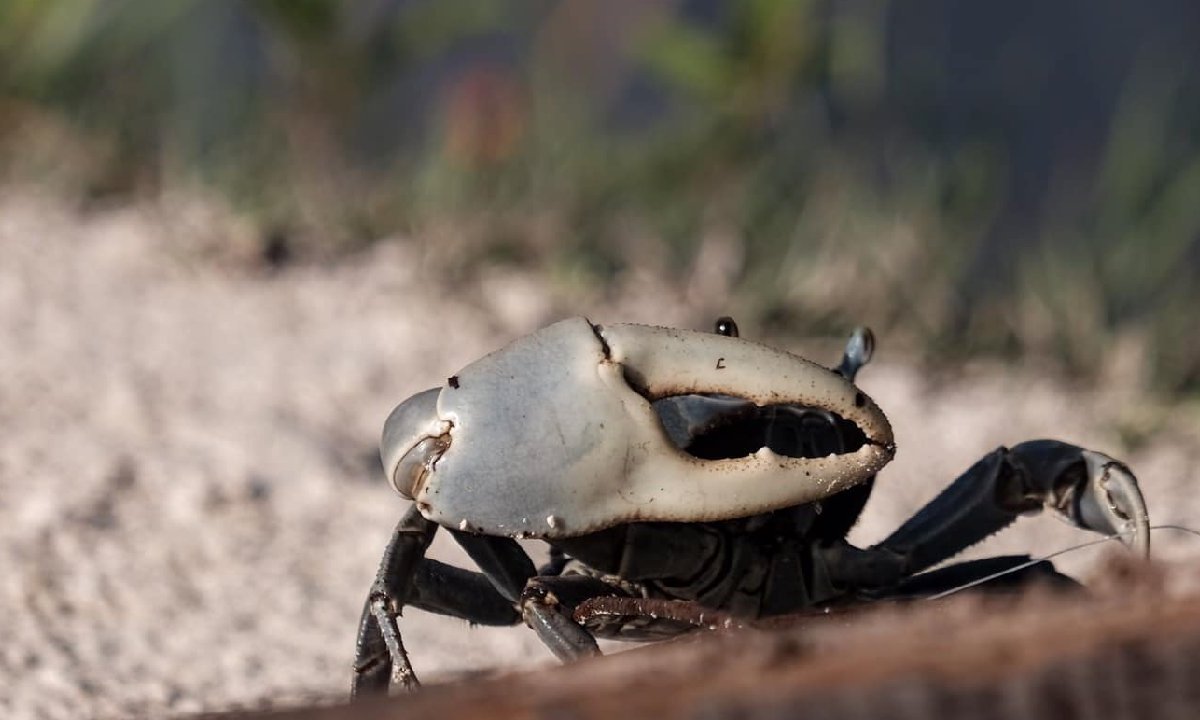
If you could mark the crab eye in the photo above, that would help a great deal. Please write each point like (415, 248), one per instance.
(726, 326)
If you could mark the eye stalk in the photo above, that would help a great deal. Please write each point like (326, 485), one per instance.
(859, 349)
(413, 440)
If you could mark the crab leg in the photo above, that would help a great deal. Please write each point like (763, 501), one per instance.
(1090, 489)
(513, 574)
(447, 590)
(501, 559)
(379, 656)
(548, 605)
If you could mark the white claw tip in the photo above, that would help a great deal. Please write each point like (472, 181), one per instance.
(462, 524)
(553, 521)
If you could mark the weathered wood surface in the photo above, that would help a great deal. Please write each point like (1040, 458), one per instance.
(1128, 654)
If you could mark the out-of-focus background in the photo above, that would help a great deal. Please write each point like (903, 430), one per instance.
(1013, 179)
(234, 234)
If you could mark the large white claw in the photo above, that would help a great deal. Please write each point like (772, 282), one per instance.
(554, 435)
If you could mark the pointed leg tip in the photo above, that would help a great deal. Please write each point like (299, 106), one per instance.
(1113, 502)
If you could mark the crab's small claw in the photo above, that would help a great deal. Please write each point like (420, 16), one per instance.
(1088, 488)
(1091, 489)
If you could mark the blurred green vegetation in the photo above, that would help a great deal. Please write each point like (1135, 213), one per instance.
(568, 136)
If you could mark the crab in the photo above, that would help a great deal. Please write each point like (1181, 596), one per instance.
(681, 478)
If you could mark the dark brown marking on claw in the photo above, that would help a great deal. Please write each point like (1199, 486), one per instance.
(453, 381)
(720, 363)
(598, 331)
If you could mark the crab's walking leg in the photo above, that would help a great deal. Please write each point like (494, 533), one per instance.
(556, 564)
(432, 586)
(548, 605)
(501, 559)
(447, 590)
(1089, 488)
(512, 572)
(546, 602)
(379, 656)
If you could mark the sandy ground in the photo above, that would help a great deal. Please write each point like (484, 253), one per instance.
(191, 507)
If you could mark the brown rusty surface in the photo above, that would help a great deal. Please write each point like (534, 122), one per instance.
(1125, 655)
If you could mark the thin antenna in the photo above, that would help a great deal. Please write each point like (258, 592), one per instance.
(1034, 561)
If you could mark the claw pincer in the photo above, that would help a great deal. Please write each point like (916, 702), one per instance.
(1089, 488)
(556, 434)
